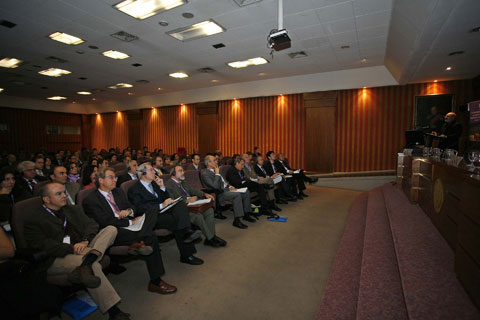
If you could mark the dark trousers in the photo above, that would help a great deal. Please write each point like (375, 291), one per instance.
(283, 190)
(262, 194)
(177, 220)
(126, 237)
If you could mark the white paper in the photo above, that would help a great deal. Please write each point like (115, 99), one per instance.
(66, 240)
(277, 179)
(296, 171)
(137, 226)
(241, 190)
(199, 202)
(288, 176)
(171, 204)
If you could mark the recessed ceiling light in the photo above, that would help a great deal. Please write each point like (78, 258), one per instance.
(163, 24)
(178, 75)
(10, 63)
(198, 30)
(65, 38)
(54, 72)
(130, 93)
(57, 98)
(1, 89)
(84, 93)
(187, 15)
(448, 68)
(117, 55)
(262, 74)
(142, 9)
(121, 85)
(246, 63)
(159, 89)
(214, 80)
(435, 81)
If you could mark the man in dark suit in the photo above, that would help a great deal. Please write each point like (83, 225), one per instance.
(149, 194)
(158, 165)
(131, 174)
(59, 175)
(28, 177)
(195, 165)
(284, 163)
(283, 191)
(109, 206)
(299, 182)
(451, 132)
(237, 178)
(73, 245)
(272, 168)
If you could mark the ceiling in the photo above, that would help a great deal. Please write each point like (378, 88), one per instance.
(412, 38)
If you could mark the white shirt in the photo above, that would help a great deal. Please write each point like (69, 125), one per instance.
(133, 176)
(105, 194)
(225, 184)
(146, 185)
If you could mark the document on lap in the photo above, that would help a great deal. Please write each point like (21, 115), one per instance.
(199, 202)
(137, 226)
(241, 190)
(277, 179)
(296, 171)
(171, 204)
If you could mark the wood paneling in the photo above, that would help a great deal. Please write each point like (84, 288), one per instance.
(320, 139)
(271, 123)
(207, 133)
(110, 130)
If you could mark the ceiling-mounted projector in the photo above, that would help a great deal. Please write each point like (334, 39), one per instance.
(279, 40)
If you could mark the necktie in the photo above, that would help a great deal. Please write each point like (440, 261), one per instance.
(112, 202)
(263, 170)
(31, 183)
(241, 174)
(151, 190)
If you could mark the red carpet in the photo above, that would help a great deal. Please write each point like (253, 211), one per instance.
(393, 264)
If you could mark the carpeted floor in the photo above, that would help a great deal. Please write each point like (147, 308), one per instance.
(272, 270)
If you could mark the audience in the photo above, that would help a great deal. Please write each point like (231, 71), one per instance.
(10, 193)
(39, 166)
(59, 175)
(88, 180)
(158, 166)
(73, 175)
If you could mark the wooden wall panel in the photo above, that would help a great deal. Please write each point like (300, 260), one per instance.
(207, 133)
(371, 122)
(271, 123)
(320, 139)
(28, 130)
(110, 130)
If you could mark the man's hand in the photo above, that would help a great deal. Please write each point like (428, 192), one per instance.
(442, 136)
(276, 174)
(217, 170)
(81, 247)
(159, 182)
(232, 188)
(167, 202)
(209, 196)
(434, 133)
(134, 220)
(5, 190)
(192, 199)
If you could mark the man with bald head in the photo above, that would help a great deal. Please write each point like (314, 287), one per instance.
(73, 245)
(450, 132)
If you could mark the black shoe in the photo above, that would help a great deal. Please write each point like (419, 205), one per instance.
(292, 199)
(275, 207)
(192, 260)
(237, 223)
(222, 242)
(220, 216)
(281, 201)
(249, 219)
(299, 197)
(212, 243)
(303, 194)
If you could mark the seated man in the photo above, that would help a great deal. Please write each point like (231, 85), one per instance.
(195, 165)
(74, 246)
(251, 175)
(149, 194)
(28, 177)
(39, 166)
(178, 187)
(272, 167)
(131, 174)
(237, 178)
(109, 206)
(158, 166)
(59, 175)
(283, 190)
(241, 201)
(283, 162)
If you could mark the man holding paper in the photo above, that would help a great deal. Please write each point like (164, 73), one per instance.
(150, 194)
(178, 187)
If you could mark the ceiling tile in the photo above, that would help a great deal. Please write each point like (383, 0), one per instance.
(339, 11)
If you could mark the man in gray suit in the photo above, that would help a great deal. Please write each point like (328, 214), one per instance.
(59, 175)
(241, 201)
(178, 187)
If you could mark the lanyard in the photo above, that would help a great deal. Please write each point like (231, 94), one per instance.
(179, 184)
(53, 214)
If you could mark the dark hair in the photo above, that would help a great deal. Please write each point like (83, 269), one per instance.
(269, 153)
(193, 155)
(86, 175)
(101, 174)
(6, 171)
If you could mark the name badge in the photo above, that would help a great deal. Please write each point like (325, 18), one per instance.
(66, 239)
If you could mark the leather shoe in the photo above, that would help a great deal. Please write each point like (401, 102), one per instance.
(84, 275)
(281, 201)
(194, 261)
(212, 243)
(237, 223)
(162, 288)
(249, 219)
(299, 197)
(220, 216)
(304, 195)
(276, 208)
(140, 248)
(222, 242)
(292, 199)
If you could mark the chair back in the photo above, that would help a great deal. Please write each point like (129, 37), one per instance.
(168, 168)
(165, 177)
(83, 194)
(126, 185)
(120, 168)
(21, 212)
(193, 179)
(38, 186)
(224, 169)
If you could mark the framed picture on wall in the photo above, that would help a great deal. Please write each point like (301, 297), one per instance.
(430, 110)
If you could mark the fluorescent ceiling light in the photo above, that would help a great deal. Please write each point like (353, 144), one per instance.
(54, 72)
(65, 38)
(121, 85)
(57, 98)
(10, 62)
(84, 93)
(198, 30)
(115, 54)
(178, 75)
(246, 63)
(142, 9)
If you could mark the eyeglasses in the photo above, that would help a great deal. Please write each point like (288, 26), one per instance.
(111, 177)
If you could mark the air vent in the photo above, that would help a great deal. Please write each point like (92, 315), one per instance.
(243, 3)
(143, 81)
(218, 45)
(297, 55)
(454, 53)
(124, 36)
(93, 47)
(477, 29)
(56, 59)
(187, 15)
(137, 64)
(7, 24)
(206, 70)
(345, 47)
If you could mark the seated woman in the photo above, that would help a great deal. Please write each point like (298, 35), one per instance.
(73, 175)
(10, 193)
(113, 159)
(88, 180)
(48, 167)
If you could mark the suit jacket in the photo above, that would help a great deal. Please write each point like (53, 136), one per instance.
(123, 178)
(98, 208)
(73, 188)
(259, 171)
(191, 167)
(213, 181)
(280, 167)
(24, 184)
(267, 165)
(45, 232)
(249, 171)
(236, 178)
(8, 200)
(143, 199)
(175, 191)
(453, 131)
